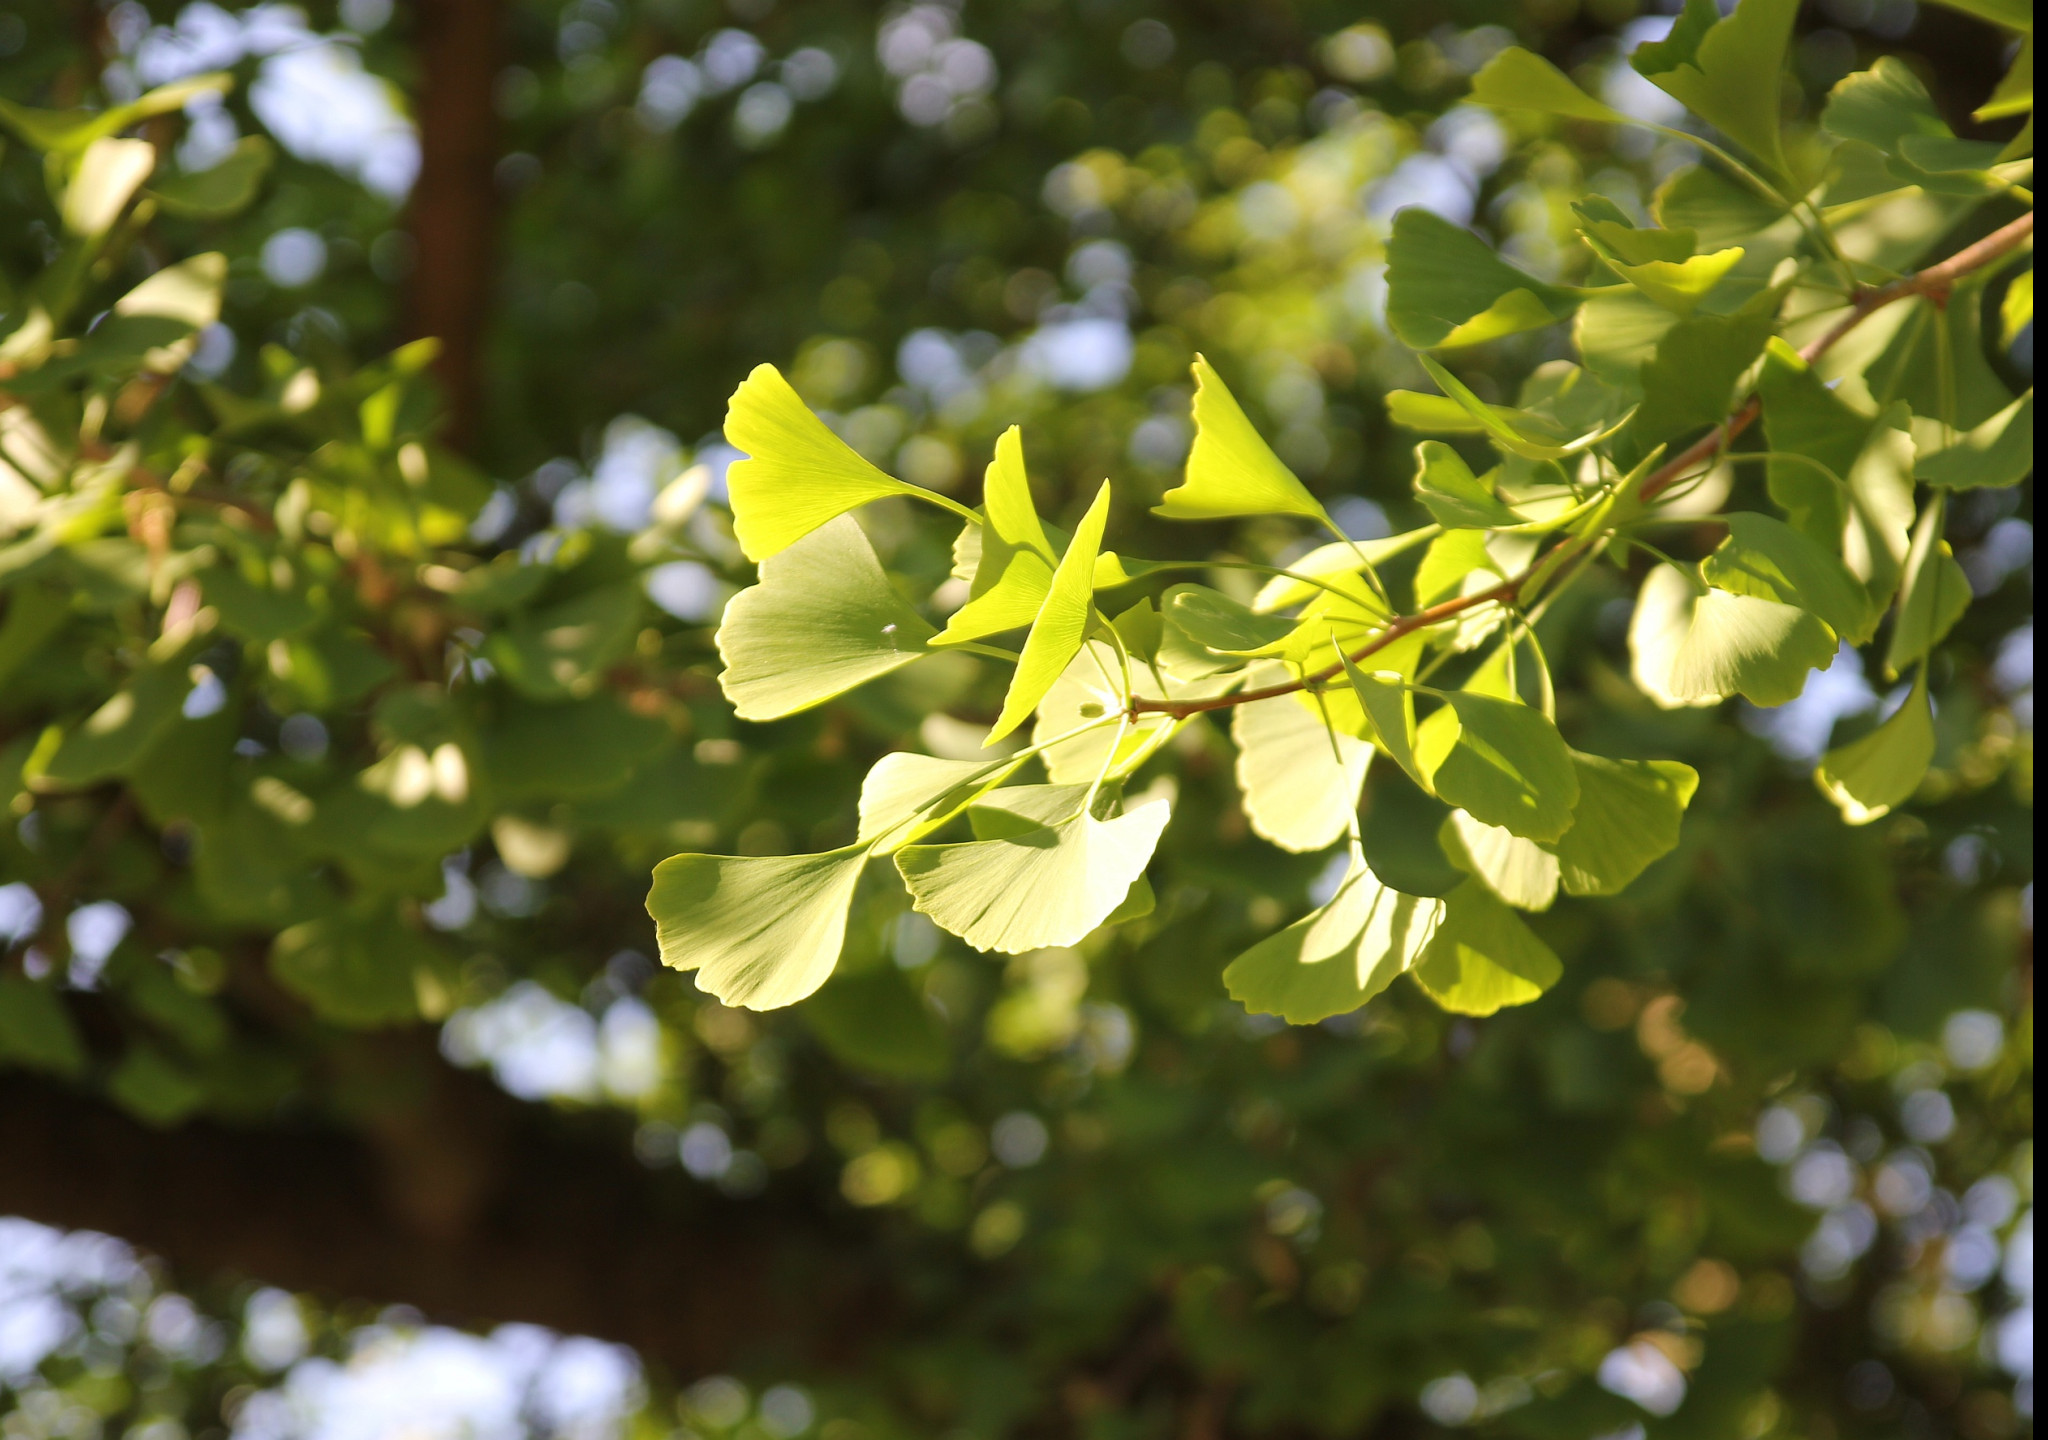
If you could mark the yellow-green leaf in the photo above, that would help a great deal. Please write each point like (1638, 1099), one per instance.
(1997, 453)
(1016, 560)
(1768, 558)
(1729, 72)
(1518, 79)
(1300, 774)
(1501, 760)
(1483, 957)
(1062, 624)
(1867, 778)
(1446, 287)
(762, 931)
(1933, 595)
(1334, 959)
(1231, 470)
(1628, 817)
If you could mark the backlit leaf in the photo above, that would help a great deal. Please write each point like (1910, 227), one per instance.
(1016, 560)
(1331, 563)
(1729, 72)
(1932, 597)
(1519, 871)
(1453, 494)
(1741, 644)
(1300, 776)
(798, 474)
(1390, 708)
(760, 931)
(1062, 624)
(1997, 453)
(1768, 558)
(1231, 470)
(1868, 778)
(1333, 960)
(108, 175)
(823, 619)
(1628, 817)
(1803, 416)
(1657, 628)
(1690, 382)
(222, 189)
(1502, 761)
(1446, 287)
(1482, 957)
(1519, 432)
(1518, 79)
(907, 795)
(1040, 886)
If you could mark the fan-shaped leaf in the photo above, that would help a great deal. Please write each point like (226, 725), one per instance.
(1446, 287)
(1517, 79)
(1520, 871)
(1016, 560)
(761, 931)
(1483, 957)
(1231, 470)
(1334, 959)
(1932, 597)
(1998, 452)
(1628, 817)
(1062, 624)
(1769, 559)
(1868, 777)
(1729, 72)
(1300, 775)
(1501, 760)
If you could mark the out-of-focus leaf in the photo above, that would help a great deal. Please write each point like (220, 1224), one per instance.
(875, 1021)
(108, 175)
(36, 1030)
(1482, 957)
(352, 970)
(223, 190)
(557, 651)
(121, 729)
(1399, 831)
(570, 750)
(761, 931)
(1729, 72)
(823, 619)
(2015, 93)
(1998, 453)
(1518, 79)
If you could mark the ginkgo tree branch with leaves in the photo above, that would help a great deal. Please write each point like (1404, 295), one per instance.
(1766, 290)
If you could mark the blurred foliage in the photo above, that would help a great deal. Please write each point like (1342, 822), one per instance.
(309, 724)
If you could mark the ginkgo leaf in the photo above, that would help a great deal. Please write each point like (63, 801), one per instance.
(1803, 416)
(1656, 629)
(798, 474)
(108, 175)
(761, 931)
(1932, 597)
(1231, 470)
(906, 795)
(1334, 959)
(1088, 697)
(1453, 494)
(221, 189)
(2015, 92)
(1998, 452)
(1389, 706)
(1446, 287)
(1689, 383)
(122, 729)
(823, 619)
(1518, 432)
(1482, 957)
(1768, 558)
(1044, 885)
(1015, 564)
(1501, 760)
(1880, 511)
(1300, 775)
(1451, 557)
(1882, 106)
(1660, 263)
(1741, 644)
(1212, 621)
(1519, 871)
(1729, 72)
(1868, 778)
(1518, 79)
(1330, 563)
(1628, 817)
(1399, 831)
(1062, 624)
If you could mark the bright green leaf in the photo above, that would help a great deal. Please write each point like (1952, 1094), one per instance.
(1014, 567)
(1062, 624)
(1300, 775)
(1231, 470)
(1729, 72)
(1453, 494)
(2016, 310)
(1999, 452)
(1519, 432)
(1330, 563)
(761, 931)
(1628, 817)
(798, 474)
(1741, 644)
(1769, 559)
(1868, 778)
(108, 175)
(1446, 287)
(1657, 629)
(907, 795)
(1690, 382)
(1933, 595)
(1333, 960)
(1803, 416)
(1042, 885)
(1483, 957)
(2015, 93)
(1501, 760)
(823, 620)
(1517, 79)
(1390, 708)
(1519, 871)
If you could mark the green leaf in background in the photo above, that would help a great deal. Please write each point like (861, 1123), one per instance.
(123, 728)
(1040, 885)
(1518, 79)
(798, 474)
(108, 175)
(1767, 558)
(1690, 382)
(1446, 287)
(1740, 644)
(564, 751)
(559, 650)
(36, 1030)
(1016, 561)
(1231, 469)
(1803, 416)
(823, 619)
(761, 931)
(1868, 778)
(1501, 760)
(1729, 72)
(221, 190)
(1627, 818)
(1333, 960)
(34, 614)
(1300, 775)
(66, 132)
(2015, 93)
(1519, 871)
(1398, 832)
(1062, 624)
(875, 1021)
(1933, 595)
(1483, 957)
(1451, 559)
(1998, 453)
(1453, 494)
(2012, 14)
(906, 795)
(352, 970)
(252, 611)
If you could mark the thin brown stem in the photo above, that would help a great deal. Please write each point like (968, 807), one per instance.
(1935, 282)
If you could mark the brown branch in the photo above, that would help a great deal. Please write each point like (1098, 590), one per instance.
(1935, 281)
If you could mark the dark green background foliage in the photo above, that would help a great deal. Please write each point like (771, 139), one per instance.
(370, 724)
